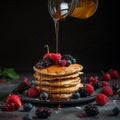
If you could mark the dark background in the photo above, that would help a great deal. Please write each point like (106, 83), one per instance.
(25, 27)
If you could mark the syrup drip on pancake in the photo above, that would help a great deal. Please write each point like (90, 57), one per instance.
(58, 76)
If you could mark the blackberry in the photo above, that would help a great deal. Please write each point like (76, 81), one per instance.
(45, 62)
(91, 110)
(96, 85)
(83, 92)
(115, 111)
(69, 57)
(21, 88)
(43, 112)
(115, 88)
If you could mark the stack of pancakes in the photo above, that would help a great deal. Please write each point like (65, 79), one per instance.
(58, 81)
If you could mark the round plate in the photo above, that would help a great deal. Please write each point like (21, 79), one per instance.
(69, 103)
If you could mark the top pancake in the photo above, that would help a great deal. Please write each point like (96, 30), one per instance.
(56, 70)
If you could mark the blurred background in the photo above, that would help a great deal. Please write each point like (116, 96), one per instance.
(25, 27)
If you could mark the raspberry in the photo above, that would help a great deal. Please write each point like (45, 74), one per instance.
(14, 99)
(92, 79)
(89, 88)
(62, 62)
(33, 92)
(105, 83)
(114, 74)
(101, 99)
(107, 90)
(91, 110)
(10, 107)
(106, 77)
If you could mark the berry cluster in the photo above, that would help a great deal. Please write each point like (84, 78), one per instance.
(13, 102)
(112, 74)
(43, 112)
(55, 59)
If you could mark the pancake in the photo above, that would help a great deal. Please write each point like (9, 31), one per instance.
(60, 89)
(61, 96)
(56, 70)
(38, 76)
(62, 83)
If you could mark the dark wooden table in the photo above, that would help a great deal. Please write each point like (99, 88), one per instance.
(66, 113)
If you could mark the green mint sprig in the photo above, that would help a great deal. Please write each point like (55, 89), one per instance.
(8, 73)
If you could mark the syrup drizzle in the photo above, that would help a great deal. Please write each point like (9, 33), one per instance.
(57, 33)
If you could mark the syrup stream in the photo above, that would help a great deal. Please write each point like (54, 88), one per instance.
(57, 33)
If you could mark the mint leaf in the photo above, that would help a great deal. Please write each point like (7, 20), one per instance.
(10, 73)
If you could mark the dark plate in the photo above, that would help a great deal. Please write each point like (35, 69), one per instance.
(69, 103)
(38, 102)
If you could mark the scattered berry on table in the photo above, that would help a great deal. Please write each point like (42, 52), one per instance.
(114, 74)
(1, 81)
(115, 111)
(43, 112)
(91, 110)
(27, 106)
(96, 85)
(106, 77)
(10, 107)
(14, 99)
(92, 79)
(107, 90)
(115, 88)
(27, 117)
(105, 83)
(101, 99)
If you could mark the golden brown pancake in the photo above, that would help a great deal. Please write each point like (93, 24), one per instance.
(63, 82)
(38, 76)
(61, 96)
(51, 89)
(56, 70)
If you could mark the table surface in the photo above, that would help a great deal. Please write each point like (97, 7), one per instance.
(66, 113)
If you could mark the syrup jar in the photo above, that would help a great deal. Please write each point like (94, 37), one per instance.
(84, 8)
